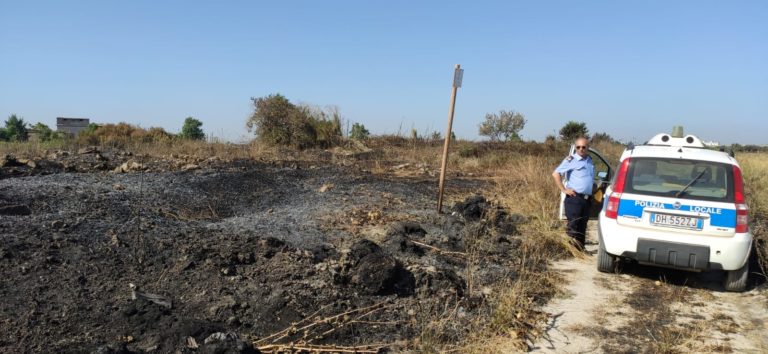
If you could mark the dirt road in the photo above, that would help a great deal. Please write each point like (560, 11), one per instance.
(650, 310)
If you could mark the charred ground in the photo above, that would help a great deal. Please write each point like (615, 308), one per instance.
(264, 253)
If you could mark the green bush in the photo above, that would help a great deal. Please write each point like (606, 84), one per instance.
(192, 129)
(359, 132)
(45, 133)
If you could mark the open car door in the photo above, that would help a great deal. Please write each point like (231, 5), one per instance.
(602, 178)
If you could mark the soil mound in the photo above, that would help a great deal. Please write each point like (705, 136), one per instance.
(476, 207)
(374, 272)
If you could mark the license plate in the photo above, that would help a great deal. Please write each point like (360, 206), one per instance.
(686, 222)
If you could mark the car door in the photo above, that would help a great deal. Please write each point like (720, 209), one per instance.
(602, 178)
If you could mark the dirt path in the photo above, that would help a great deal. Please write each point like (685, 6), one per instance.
(645, 309)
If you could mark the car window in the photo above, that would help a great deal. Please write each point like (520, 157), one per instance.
(689, 179)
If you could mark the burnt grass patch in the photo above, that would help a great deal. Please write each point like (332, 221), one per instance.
(238, 256)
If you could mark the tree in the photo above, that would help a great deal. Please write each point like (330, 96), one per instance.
(573, 130)
(191, 129)
(358, 132)
(506, 124)
(3, 135)
(16, 128)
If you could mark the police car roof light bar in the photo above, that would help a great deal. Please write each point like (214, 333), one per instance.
(663, 139)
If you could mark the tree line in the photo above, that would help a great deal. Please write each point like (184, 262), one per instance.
(277, 121)
(16, 129)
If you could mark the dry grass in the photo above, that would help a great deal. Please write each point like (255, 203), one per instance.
(515, 320)
(755, 168)
(525, 186)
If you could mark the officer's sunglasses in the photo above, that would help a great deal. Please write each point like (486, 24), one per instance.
(581, 147)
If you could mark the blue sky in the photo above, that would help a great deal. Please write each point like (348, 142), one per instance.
(628, 68)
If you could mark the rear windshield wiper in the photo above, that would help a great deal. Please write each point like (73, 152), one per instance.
(678, 194)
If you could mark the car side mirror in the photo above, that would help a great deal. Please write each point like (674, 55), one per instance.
(602, 175)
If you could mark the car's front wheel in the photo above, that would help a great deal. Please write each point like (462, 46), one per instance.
(736, 280)
(606, 262)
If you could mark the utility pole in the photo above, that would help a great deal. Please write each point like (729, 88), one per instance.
(458, 75)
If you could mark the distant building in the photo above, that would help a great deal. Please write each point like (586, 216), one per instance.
(72, 126)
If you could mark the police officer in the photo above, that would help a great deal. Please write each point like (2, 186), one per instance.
(580, 172)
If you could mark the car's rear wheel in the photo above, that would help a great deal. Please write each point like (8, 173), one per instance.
(736, 280)
(606, 262)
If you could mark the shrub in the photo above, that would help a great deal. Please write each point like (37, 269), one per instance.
(156, 134)
(91, 128)
(327, 124)
(469, 150)
(506, 124)
(45, 133)
(120, 135)
(277, 121)
(192, 129)
(359, 132)
(748, 148)
(602, 138)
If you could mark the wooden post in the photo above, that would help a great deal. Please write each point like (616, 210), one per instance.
(458, 74)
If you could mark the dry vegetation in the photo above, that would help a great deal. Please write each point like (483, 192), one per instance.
(755, 167)
(520, 174)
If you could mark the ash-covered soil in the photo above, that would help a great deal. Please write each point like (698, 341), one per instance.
(107, 253)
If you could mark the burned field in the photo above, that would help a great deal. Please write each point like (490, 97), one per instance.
(240, 255)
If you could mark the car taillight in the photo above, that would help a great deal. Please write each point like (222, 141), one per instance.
(612, 208)
(742, 211)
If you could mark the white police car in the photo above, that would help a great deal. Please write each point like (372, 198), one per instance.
(674, 203)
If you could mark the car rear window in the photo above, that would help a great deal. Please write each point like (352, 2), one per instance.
(678, 178)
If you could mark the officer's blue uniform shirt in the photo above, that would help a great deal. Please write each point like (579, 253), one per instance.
(579, 171)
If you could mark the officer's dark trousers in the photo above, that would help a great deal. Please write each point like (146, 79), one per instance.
(577, 212)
